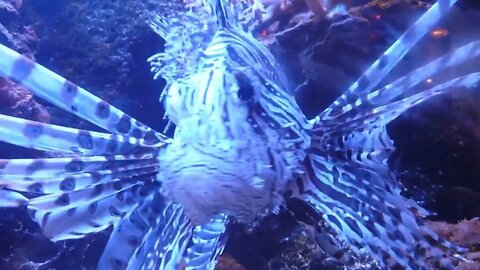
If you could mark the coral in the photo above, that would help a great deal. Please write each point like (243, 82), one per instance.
(467, 234)
(17, 101)
(14, 99)
(14, 32)
(226, 262)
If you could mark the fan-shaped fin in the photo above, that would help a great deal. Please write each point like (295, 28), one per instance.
(65, 166)
(381, 67)
(396, 89)
(49, 137)
(164, 245)
(382, 115)
(76, 198)
(156, 233)
(208, 242)
(368, 216)
(130, 232)
(72, 98)
(73, 214)
(405, 86)
(352, 187)
(54, 175)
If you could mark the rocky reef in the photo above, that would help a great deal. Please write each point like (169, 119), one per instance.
(102, 46)
(14, 99)
(18, 35)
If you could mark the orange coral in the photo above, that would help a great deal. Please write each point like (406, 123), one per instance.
(18, 101)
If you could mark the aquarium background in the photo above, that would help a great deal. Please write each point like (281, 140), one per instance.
(103, 46)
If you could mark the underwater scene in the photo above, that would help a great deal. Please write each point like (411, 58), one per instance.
(240, 134)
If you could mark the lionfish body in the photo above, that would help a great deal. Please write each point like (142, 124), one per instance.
(241, 148)
(234, 147)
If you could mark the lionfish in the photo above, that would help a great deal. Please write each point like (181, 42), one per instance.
(241, 148)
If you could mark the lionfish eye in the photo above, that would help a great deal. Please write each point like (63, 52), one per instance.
(245, 87)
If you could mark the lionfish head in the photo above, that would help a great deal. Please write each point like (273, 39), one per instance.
(217, 162)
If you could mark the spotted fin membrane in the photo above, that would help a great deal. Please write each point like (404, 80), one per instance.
(348, 180)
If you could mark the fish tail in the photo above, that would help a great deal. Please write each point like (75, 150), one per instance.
(330, 245)
(324, 234)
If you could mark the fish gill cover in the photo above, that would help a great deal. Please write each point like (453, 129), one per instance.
(242, 154)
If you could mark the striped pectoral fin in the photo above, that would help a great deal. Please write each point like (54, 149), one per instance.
(74, 214)
(381, 67)
(131, 231)
(405, 86)
(10, 198)
(66, 95)
(368, 216)
(368, 147)
(58, 175)
(87, 195)
(156, 234)
(49, 137)
(392, 110)
(382, 115)
(208, 242)
(164, 245)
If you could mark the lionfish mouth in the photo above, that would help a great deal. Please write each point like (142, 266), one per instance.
(208, 179)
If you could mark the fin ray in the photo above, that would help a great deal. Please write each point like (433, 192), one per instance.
(10, 198)
(406, 85)
(72, 220)
(63, 181)
(164, 246)
(382, 115)
(55, 138)
(371, 217)
(381, 67)
(132, 230)
(52, 87)
(208, 242)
